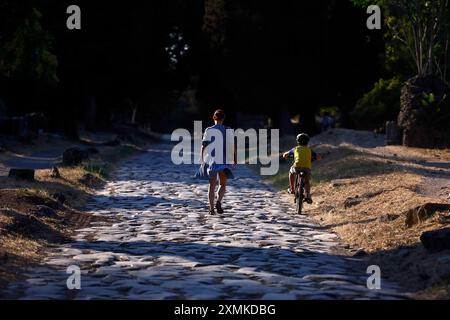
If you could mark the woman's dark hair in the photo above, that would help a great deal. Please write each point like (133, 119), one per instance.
(219, 115)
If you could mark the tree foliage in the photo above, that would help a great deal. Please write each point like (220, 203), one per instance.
(279, 58)
(418, 32)
(378, 105)
(26, 48)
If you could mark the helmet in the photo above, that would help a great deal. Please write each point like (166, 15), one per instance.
(303, 139)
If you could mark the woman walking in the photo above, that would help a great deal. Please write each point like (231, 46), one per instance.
(216, 168)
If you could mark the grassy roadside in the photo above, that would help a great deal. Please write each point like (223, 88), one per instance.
(364, 198)
(35, 216)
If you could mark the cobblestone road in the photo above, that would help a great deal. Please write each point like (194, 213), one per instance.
(163, 245)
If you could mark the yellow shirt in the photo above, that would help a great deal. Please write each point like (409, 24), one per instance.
(302, 157)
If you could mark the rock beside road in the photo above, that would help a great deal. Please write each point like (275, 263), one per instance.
(74, 156)
(59, 197)
(423, 212)
(22, 174)
(436, 240)
(55, 173)
(388, 217)
(353, 201)
(413, 118)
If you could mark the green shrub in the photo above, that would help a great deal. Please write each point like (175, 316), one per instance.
(101, 169)
(379, 105)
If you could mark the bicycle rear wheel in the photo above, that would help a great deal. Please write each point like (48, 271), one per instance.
(299, 197)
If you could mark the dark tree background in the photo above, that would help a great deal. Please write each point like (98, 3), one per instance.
(262, 57)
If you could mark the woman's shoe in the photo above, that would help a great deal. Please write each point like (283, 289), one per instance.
(212, 212)
(219, 208)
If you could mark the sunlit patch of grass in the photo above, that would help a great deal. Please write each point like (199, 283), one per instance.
(103, 165)
(280, 181)
(101, 170)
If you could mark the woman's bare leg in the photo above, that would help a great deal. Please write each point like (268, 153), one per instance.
(222, 186)
(212, 192)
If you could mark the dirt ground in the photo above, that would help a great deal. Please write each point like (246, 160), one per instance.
(363, 191)
(29, 223)
(34, 216)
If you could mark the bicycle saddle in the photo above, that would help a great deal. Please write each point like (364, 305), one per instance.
(301, 173)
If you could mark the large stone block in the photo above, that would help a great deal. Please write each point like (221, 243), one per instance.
(22, 174)
(436, 240)
(74, 156)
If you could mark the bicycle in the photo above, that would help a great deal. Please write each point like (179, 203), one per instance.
(299, 191)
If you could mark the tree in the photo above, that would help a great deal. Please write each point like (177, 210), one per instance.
(417, 30)
(25, 51)
(423, 28)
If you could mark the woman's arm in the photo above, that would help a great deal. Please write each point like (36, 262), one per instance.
(202, 150)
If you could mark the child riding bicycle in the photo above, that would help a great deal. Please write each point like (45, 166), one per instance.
(303, 158)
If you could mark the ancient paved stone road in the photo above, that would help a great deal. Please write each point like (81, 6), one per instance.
(165, 246)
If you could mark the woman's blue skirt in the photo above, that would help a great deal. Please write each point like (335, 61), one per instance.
(205, 172)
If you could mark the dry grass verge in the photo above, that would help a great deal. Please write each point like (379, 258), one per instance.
(364, 194)
(367, 206)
